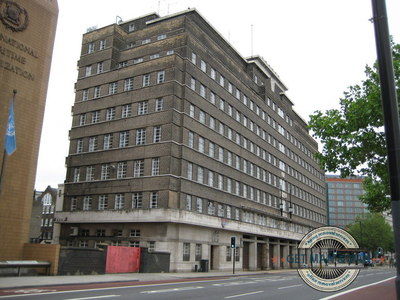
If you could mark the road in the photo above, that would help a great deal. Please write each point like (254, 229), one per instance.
(264, 286)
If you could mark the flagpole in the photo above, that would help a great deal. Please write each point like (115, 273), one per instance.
(3, 164)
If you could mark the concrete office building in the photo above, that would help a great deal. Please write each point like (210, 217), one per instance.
(178, 143)
(344, 205)
(27, 31)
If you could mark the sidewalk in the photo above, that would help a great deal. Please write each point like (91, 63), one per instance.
(31, 281)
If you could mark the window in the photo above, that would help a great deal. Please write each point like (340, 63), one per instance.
(88, 71)
(110, 114)
(220, 211)
(96, 116)
(123, 139)
(119, 201)
(85, 95)
(201, 144)
(83, 244)
(151, 245)
(138, 168)
(87, 203)
(134, 244)
(102, 44)
(77, 172)
(221, 80)
(212, 73)
(100, 67)
(202, 117)
(194, 58)
(91, 48)
(112, 88)
(97, 90)
(212, 123)
(138, 60)
(146, 41)
(131, 27)
(140, 136)
(137, 199)
(186, 251)
(155, 166)
(159, 104)
(103, 202)
(190, 140)
(135, 233)
(79, 146)
(107, 142)
(128, 84)
(228, 212)
(191, 110)
(193, 83)
(170, 52)
(121, 169)
(74, 203)
(199, 205)
(202, 90)
(210, 178)
(161, 77)
(229, 253)
(230, 87)
(143, 108)
(126, 111)
(198, 252)
(190, 171)
(154, 56)
(146, 80)
(200, 174)
(211, 208)
(222, 104)
(105, 171)
(161, 37)
(153, 199)
(188, 202)
(220, 182)
(212, 98)
(211, 149)
(157, 134)
(203, 65)
(90, 173)
(100, 232)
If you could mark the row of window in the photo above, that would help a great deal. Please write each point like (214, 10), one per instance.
(118, 170)
(117, 202)
(123, 141)
(126, 63)
(357, 210)
(48, 209)
(84, 232)
(197, 113)
(124, 111)
(234, 187)
(46, 222)
(227, 157)
(151, 245)
(127, 84)
(249, 103)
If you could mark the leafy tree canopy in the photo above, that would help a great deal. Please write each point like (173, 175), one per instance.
(372, 231)
(353, 136)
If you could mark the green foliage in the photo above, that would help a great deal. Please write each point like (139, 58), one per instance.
(372, 231)
(353, 136)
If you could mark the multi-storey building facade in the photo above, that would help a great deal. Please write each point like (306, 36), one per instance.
(344, 205)
(42, 220)
(179, 143)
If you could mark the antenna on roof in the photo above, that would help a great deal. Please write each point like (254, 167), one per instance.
(118, 20)
(251, 39)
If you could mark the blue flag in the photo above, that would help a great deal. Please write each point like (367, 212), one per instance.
(10, 143)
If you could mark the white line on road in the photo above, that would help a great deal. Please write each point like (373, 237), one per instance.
(95, 297)
(241, 295)
(290, 286)
(355, 289)
(187, 288)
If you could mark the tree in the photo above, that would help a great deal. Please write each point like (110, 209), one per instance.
(372, 231)
(353, 136)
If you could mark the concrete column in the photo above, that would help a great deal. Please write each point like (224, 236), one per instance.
(253, 256)
(276, 257)
(265, 256)
(284, 257)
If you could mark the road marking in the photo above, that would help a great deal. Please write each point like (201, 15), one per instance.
(233, 283)
(187, 288)
(241, 295)
(95, 297)
(355, 289)
(290, 286)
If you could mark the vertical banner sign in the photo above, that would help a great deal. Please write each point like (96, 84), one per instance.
(10, 141)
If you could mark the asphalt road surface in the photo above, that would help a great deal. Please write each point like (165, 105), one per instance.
(280, 286)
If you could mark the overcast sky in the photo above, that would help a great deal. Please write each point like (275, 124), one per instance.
(317, 47)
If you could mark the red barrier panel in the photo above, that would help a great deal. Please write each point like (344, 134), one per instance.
(122, 259)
